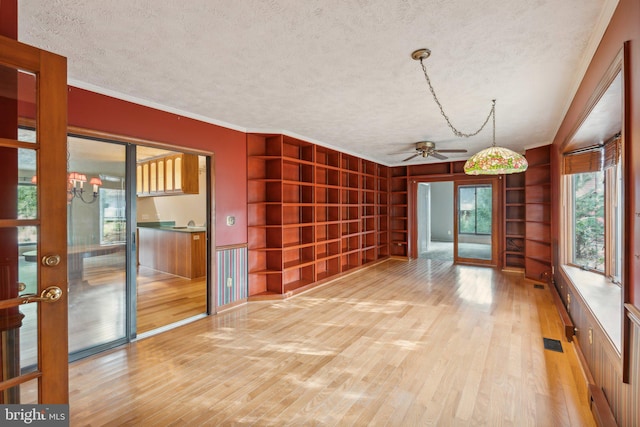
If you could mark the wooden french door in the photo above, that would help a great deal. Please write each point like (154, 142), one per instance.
(476, 231)
(33, 226)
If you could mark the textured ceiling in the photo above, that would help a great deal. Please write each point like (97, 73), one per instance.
(334, 72)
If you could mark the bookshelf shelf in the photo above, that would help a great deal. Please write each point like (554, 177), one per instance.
(313, 212)
(537, 243)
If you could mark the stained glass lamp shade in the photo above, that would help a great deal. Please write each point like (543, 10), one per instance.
(495, 161)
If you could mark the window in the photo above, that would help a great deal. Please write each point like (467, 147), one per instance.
(594, 215)
(112, 216)
(588, 220)
(474, 214)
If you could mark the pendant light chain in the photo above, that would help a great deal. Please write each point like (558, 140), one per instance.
(455, 131)
(493, 113)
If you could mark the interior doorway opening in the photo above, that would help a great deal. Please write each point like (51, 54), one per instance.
(456, 221)
(171, 219)
(435, 220)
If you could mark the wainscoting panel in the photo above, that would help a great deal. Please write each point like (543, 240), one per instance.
(604, 362)
(231, 279)
(630, 407)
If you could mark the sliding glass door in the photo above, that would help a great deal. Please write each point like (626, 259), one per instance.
(475, 223)
(97, 244)
(137, 254)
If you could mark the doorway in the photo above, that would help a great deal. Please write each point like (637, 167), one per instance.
(171, 218)
(111, 297)
(457, 221)
(476, 230)
(435, 225)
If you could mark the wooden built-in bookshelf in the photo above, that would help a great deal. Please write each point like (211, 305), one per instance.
(538, 252)
(399, 212)
(313, 213)
(514, 221)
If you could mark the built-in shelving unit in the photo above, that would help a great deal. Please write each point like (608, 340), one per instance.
(538, 252)
(313, 212)
(514, 221)
(399, 212)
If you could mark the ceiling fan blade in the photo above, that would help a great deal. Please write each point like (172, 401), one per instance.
(409, 158)
(452, 151)
(437, 156)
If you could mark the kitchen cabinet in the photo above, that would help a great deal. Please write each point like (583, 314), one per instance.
(167, 175)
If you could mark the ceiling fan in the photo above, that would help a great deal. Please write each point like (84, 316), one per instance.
(428, 149)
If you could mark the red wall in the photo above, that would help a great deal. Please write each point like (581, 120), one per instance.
(9, 18)
(94, 111)
(624, 26)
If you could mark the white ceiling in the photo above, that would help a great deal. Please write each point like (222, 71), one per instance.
(334, 72)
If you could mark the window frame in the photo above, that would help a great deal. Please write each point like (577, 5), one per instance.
(620, 66)
(613, 225)
(572, 218)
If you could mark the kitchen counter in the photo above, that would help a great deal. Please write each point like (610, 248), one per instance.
(171, 226)
(180, 229)
(180, 251)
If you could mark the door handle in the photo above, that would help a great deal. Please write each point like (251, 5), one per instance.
(51, 294)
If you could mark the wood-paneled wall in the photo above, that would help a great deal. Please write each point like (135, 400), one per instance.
(601, 357)
(603, 360)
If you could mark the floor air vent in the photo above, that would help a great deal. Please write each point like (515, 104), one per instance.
(538, 286)
(553, 345)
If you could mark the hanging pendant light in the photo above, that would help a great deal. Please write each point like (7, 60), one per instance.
(495, 160)
(490, 161)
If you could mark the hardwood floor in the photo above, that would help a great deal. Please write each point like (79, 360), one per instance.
(97, 301)
(402, 343)
(164, 298)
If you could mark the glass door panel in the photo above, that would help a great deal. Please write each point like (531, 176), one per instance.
(28, 284)
(96, 243)
(26, 96)
(18, 323)
(475, 223)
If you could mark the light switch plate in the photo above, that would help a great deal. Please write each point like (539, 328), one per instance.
(231, 220)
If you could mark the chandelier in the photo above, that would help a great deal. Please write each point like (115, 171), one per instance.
(75, 187)
(490, 161)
